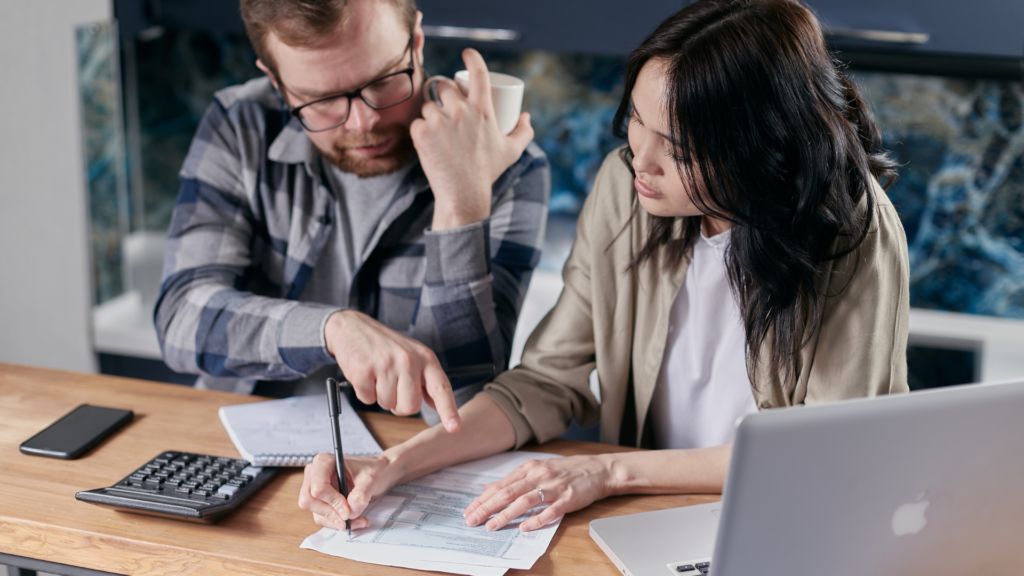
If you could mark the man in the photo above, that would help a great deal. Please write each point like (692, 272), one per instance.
(330, 217)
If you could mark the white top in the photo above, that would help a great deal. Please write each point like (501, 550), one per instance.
(703, 385)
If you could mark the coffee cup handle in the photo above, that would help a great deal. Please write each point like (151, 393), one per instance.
(432, 92)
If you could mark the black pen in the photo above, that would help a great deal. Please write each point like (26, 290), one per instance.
(334, 406)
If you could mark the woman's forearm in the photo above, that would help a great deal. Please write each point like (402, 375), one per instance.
(700, 470)
(485, 430)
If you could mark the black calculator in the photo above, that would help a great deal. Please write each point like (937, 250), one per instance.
(185, 486)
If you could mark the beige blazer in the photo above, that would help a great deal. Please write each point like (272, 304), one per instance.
(616, 320)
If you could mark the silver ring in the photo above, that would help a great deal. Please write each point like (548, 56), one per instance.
(541, 492)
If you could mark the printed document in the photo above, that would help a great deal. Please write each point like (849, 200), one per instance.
(420, 525)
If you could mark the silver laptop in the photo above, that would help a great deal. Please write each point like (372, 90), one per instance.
(924, 483)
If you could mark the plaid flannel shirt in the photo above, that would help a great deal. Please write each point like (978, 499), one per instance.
(253, 217)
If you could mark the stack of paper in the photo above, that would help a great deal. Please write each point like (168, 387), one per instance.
(420, 525)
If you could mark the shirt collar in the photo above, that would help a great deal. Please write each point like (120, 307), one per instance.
(292, 145)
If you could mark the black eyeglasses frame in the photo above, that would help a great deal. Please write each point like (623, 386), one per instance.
(357, 93)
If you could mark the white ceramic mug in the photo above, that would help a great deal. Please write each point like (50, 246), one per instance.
(506, 93)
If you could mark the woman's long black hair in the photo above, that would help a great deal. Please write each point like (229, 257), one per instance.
(771, 136)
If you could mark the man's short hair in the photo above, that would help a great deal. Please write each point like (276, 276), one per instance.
(302, 23)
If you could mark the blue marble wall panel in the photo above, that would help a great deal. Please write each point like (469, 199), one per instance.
(177, 75)
(961, 192)
(960, 143)
(103, 151)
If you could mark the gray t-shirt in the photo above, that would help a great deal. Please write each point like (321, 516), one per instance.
(361, 204)
(359, 209)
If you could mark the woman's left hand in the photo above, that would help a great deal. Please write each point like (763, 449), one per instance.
(568, 484)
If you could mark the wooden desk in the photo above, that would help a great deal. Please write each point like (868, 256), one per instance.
(40, 518)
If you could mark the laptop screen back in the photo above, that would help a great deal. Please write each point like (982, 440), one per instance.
(925, 483)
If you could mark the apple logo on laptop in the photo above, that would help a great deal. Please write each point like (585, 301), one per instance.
(909, 518)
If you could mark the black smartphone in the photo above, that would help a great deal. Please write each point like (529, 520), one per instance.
(76, 432)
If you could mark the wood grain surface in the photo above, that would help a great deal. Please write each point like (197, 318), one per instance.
(40, 518)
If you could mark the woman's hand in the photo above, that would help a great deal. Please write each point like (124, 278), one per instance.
(568, 484)
(368, 477)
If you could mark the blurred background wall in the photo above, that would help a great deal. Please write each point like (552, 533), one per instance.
(45, 284)
(103, 97)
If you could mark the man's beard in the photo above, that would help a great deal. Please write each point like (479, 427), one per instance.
(396, 157)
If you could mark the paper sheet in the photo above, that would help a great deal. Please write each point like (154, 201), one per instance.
(290, 432)
(420, 525)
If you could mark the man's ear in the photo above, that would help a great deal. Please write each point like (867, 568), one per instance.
(419, 39)
(263, 68)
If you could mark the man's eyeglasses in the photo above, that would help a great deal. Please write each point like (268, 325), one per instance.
(384, 92)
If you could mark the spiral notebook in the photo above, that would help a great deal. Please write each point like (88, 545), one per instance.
(290, 432)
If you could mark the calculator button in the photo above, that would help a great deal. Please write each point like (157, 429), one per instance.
(228, 490)
(202, 493)
(183, 490)
(210, 486)
(251, 471)
(685, 568)
(238, 481)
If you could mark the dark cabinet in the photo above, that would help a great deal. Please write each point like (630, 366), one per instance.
(610, 27)
(962, 27)
(986, 28)
(993, 28)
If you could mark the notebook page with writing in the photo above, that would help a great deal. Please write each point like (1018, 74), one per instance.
(290, 432)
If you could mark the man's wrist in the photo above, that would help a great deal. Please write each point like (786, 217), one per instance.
(335, 327)
(448, 216)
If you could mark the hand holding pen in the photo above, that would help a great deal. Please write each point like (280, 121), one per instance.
(331, 504)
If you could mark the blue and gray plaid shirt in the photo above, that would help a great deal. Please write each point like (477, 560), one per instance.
(254, 215)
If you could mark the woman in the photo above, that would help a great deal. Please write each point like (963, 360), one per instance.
(738, 255)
